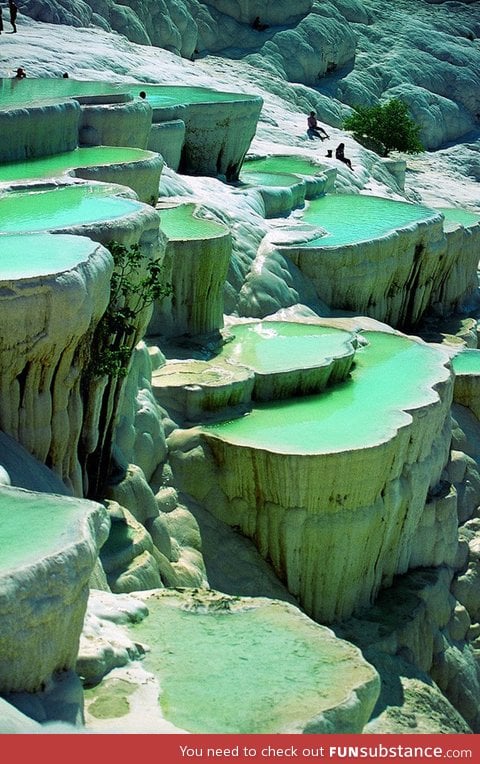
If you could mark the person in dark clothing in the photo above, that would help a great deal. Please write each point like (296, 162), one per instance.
(258, 26)
(340, 154)
(12, 7)
(314, 129)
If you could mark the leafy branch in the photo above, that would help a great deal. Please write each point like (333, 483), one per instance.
(135, 284)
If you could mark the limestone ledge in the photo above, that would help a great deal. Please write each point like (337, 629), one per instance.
(45, 598)
(457, 280)
(122, 124)
(45, 322)
(140, 226)
(218, 135)
(196, 269)
(167, 138)
(302, 510)
(56, 130)
(191, 390)
(394, 278)
(281, 198)
(142, 176)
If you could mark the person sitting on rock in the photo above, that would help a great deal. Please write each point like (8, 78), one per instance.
(314, 129)
(257, 25)
(340, 154)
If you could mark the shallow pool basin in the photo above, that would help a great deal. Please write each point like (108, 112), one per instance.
(61, 206)
(28, 256)
(391, 375)
(32, 89)
(175, 95)
(351, 218)
(60, 164)
(180, 223)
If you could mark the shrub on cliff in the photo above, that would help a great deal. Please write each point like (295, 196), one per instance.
(385, 127)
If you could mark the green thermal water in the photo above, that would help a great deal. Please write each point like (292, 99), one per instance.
(271, 346)
(24, 211)
(467, 362)
(458, 215)
(271, 179)
(389, 375)
(40, 254)
(350, 218)
(181, 223)
(174, 95)
(295, 164)
(31, 89)
(247, 672)
(34, 527)
(59, 164)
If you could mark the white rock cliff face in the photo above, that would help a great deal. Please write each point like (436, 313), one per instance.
(44, 591)
(303, 509)
(45, 322)
(408, 495)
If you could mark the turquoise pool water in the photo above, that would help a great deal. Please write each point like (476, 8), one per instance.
(280, 346)
(351, 218)
(59, 164)
(252, 671)
(390, 374)
(458, 215)
(31, 89)
(180, 223)
(41, 254)
(270, 179)
(23, 211)
(174, 95)
(33, 527)
(283, 164)
(467, 362)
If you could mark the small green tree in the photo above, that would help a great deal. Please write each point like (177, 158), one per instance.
(389, 126)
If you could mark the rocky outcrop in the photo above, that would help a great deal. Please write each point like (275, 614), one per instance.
(123, 124)
(196, 263)
(417, 631)
(56, 130)
(44, 583)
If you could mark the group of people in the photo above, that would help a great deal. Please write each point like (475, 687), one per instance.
(315, 130)
(13, 10)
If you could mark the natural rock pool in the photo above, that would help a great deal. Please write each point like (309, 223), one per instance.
(59, 164)
(390, 375)
(31, 89)
(56, 207)
(350, 218)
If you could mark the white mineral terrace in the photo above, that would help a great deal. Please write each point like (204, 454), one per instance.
(270, 438)
(288, 471)
(51, 565)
